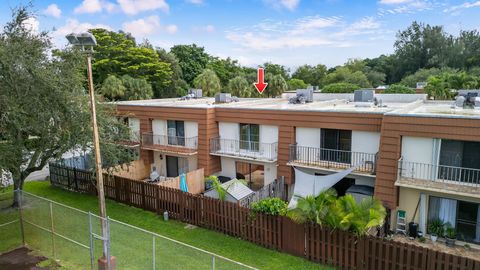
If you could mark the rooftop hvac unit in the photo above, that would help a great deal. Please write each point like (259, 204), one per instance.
(363, 95)
(195, 93)
(306, 93)
(223, 98)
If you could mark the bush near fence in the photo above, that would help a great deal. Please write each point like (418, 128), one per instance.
(311, 241)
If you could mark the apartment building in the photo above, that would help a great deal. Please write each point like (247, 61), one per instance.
(419, 156)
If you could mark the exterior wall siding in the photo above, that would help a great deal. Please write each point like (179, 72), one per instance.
(391, 128)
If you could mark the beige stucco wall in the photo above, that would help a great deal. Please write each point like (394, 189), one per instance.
(408, 200)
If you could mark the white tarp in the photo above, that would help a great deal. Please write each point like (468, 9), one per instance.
(308, 184)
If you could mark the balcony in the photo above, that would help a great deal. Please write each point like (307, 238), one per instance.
(331, 159)
(244, 149)
(133, 141)
(170, 144)
(441, 178)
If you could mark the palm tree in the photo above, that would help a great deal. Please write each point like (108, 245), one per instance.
(347, 214)
(239, 87)
(313, 209)
(276, 85)
(305, 211)
(208, 81)
(113, 88)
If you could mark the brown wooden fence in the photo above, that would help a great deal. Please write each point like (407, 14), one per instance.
(319, 244)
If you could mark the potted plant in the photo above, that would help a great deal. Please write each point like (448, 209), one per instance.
(450, 235)
(435, 229)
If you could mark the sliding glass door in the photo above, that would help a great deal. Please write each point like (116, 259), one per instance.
(336, 145)
(249, 137)
(463, 216)
(176, 132)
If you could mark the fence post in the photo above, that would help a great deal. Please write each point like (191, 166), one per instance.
(75, 178)
(153, 251)
(20, 206)
(213, 262)
(92, 246)
(52, 229)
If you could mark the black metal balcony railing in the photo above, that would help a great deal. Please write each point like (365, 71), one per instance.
(332, 159)
(165, 142)
(438, 173)
(246, 149)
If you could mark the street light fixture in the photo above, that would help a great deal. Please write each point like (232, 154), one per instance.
(85, 42)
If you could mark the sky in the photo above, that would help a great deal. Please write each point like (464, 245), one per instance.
(287, 32)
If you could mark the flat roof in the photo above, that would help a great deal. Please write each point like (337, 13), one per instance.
(394, 104)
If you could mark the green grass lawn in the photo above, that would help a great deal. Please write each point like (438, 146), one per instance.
(131, 247)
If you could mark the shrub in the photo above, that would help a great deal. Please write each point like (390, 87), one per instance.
(270, 206)
(435, 226)
(399, 89)
(341, 87)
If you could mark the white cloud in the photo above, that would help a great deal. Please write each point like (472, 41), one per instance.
(89, 6)
(141, 28)
(207, 28)
(366, 23)
(74, 26)
(465, 5)
(394, 2)
(171, 28)
(53, 10)
(132, 7)
(31, 24)
(315, 22)
(286, 4)
(195, 2)
(409, 7)
(306, 32)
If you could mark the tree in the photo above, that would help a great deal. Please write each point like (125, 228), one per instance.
(276, 69)
(347, 74)
(445, 85)
(340, 88)
(113, 88)
(420, 75)
(422, 46)
(136, 89)
(118, 54)
(239, 87)
(192, 60)
(276, 85)
(311, 75)
(44, 109)
(294, 84)
(225, 68)
(399, 89)
(208, 82)
(179, 86)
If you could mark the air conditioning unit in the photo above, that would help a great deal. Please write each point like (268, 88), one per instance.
(223, 98)
(363, 95)
(306, 93)
(195, 93)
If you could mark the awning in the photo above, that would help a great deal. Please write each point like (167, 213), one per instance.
(309, 184)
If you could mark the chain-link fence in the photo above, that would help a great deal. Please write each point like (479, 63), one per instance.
(72, 237)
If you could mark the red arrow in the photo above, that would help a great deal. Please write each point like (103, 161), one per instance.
(261, 84)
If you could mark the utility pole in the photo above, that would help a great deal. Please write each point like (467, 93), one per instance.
(88, 40)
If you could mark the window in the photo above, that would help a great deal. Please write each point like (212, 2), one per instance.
(457, 158)
(336, 145)
(464, 216)
(176, 132)
(249, 137)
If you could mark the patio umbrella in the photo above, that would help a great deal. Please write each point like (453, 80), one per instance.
(183, 183)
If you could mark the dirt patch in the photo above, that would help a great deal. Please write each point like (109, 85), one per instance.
(21, 259)
(439, 245)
